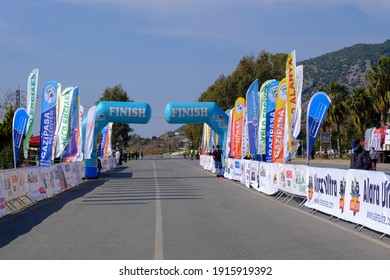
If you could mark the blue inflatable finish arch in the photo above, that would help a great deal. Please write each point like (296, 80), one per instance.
(199, 112)
(117, 112)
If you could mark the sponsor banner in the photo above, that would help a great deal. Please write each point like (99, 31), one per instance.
(70, 174)
(48, 177)
(60, 177)
(254, 174)
(19, 125)
(103, 140)
(36, 187)
(229, 170)
(48, 122)
(324, 187)
(292, 179)
(316, 112)
(32, 85)
(237, 170)
(268, 174)
(15, 183)
(246, 171)
(367, 199)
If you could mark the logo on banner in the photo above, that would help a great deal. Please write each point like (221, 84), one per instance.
(343, 186)
(50, 94)
(355, 193)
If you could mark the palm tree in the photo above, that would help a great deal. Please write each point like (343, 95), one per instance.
(379, 88)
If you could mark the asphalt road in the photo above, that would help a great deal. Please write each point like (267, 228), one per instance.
(171, 209)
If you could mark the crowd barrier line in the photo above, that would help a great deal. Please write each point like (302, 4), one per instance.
(358, 196)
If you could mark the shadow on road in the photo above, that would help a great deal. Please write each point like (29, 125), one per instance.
(18, 224)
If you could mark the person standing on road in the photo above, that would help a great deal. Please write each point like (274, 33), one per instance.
(360, 158)
(217, 156)
(373, 156)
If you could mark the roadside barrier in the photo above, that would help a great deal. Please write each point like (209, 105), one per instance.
(21, 187)
(358, 196)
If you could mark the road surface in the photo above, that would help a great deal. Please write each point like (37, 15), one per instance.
(171, 209)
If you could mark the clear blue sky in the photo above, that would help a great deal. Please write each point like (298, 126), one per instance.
(169, 51)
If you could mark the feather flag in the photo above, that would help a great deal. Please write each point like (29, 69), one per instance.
(292, 103)
(252, 115)
(48, 122)
(19, 124)
(63, 130)
(108, 146)
(238, 127)
(316, 112)
(279, 123)
(272, 91)
(32, 86)
(71, 148)
(89, 132)
(263, 117)
(79, 135)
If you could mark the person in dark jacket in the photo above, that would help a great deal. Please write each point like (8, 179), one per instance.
(360, 158)
(217, 156)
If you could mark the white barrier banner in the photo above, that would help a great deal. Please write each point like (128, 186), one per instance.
(48, 178)
(229, 170)
(70, 174)
(59, 177)
(293, 179)
(301, 180)
(323, 190)
(367, 199)
(2, 195)
(246, 171)
(254, 175)
(14, 183)
(237, 171)
(268, 174)
(36, 187)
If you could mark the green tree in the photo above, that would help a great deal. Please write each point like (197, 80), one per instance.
(6, 150)
(379, 88)
(120, 131)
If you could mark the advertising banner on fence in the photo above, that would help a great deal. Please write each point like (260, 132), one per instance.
(36, 187)
(367, 199)
(15, 183)
(254, 175)
(293, 179)
(324, 188)
(48, 178)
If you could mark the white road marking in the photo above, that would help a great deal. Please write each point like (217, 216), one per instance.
(158, 241)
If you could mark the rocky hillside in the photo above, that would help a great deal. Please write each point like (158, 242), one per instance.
(346, 66)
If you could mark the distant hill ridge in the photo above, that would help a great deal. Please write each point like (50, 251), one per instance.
(347, 66)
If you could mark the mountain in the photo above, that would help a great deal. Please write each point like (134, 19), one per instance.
(347, 66)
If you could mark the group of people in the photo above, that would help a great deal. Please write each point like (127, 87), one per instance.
(120, 156)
